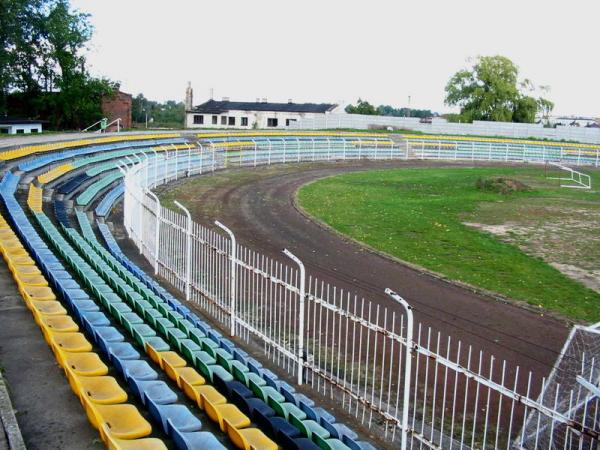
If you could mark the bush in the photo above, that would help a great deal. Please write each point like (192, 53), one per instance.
(500, 185)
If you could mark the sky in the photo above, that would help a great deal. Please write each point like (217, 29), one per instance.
(337, 51)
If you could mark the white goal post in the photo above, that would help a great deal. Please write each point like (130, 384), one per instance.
(580, 180)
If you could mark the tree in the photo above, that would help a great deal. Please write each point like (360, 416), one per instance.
(489, 90)
(362, 107)
(42, 68)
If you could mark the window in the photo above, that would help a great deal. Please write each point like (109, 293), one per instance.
(34, 130)
(3, 130)
(288, 121)
(231, 121)
(198, 119)
(271, 122)
(244, 121)
(215, 120)
(223, 120)
(20, 131)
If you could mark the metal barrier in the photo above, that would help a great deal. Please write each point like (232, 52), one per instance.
(407, 383)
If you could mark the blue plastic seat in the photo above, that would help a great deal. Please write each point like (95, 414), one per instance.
(138, 369)
(196, 440)
(157, 390)
(122, 351)
(173, 416)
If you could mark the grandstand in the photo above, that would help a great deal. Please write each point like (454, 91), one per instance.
(152, 371)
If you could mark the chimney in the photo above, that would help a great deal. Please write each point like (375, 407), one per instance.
(225, 99)
(257, 100)
(189, 97)
(264, 100)
(290, 100)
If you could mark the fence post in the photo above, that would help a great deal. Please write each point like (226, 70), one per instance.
(301, 312)
(407, 365)
(232, 278)
(176, 160)
(188, 250)
(189, 169)
(156, 230)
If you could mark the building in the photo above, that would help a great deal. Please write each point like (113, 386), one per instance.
(117, 106)
(573, 121)
(20, 126)
(248, 115)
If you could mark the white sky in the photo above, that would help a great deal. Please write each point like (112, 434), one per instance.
(335, 50)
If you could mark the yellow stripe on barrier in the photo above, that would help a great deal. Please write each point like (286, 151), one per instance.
(288, 133)
(41, 148)
(170, 147)
(498, 140)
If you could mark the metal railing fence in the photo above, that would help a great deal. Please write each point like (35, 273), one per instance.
(406, 382)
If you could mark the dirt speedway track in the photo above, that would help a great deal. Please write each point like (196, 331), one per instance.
(261, 211)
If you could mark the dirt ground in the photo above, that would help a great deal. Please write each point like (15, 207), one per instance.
(564, 233)
(258, 205)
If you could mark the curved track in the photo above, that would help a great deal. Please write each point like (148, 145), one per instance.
(260, 209)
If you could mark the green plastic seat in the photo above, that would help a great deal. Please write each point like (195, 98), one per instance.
(224, 358)
(162, 325)
(175, 336)
(286, 409)
(197, 336)
(142, 331)
(309, 427)
(188, 348)
(152, 315)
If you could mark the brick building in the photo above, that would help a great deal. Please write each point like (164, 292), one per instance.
(118, 106)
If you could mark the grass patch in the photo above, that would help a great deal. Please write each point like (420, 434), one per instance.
(417, 215)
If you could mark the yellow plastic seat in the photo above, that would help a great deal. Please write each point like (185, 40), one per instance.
(249, 438)
(48, 307)
(14, 251)
(45, 308)
(153, 354)
(31, 280)
(190, 375)
(20, 260)
(69, 342)
(123, 421)
(218, 413)
(10, 242)
(101, 390)
(86, 364)
(114, 443)
(199, 393)
(171, 358)
(40, 293)
(57, 324)
(19, 269)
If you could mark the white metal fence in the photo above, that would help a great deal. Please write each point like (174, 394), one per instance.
(477, 128)
(410, 384)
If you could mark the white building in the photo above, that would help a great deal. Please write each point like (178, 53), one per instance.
(248, 115)
(20, 126)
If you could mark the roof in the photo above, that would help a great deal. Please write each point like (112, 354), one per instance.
(217, 107)
(17, 121)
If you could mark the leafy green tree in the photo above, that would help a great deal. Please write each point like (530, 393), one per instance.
(362, 107)
(167, 114)
(42, 68)
(489, 90)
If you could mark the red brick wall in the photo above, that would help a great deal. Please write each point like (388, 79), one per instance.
(118, 106)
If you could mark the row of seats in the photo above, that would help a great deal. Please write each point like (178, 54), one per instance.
(108, 200)
(156, 318)
(38, 161)
(42, 148)
(176, 419)
(278, 398)
(252, 381)
(121, 425)
(92, 190)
